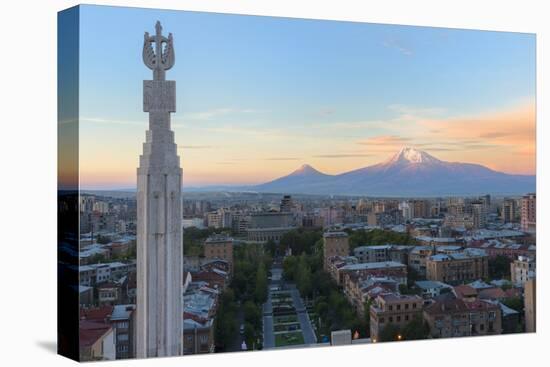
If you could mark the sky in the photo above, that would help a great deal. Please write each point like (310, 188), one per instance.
(257, 97)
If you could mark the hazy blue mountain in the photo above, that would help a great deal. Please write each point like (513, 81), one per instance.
(409, 172)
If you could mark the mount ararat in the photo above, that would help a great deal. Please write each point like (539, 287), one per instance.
(409, 172)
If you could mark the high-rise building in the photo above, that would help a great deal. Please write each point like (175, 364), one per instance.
(159, 326)
(479, 214)
(529, 213)
(508, 211)
(286, 204)
(420, 208)
(406, 210)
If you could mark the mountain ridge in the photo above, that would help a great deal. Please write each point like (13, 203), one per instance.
(409, 172)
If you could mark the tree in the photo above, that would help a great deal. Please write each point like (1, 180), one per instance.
(225, 322)
(515, 303)
(260, 289)
(412, 276)
(303, 276)
(271, 247)
(249, 335)
(300, 240)
(290, 264)
(252, 314)
(389, 333)
(499, 267)
(416, 329)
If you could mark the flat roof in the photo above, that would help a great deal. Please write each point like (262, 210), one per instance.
(374, 265)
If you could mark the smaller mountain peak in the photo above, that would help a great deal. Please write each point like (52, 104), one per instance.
(304, 170)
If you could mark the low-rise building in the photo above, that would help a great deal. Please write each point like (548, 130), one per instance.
(198, 337)
(522, 269)
(109, 293)
(418, 257)
(219, 247)
(335, 244)
(508, 248)
(431, 289)
(457, 267)
(96, 341)
(267, 226)
(123, 320)
(453, 317)
(391, 269)
(393, 309)
(360, 290)
(371, 254)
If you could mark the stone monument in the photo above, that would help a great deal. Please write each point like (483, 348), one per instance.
(159, 326)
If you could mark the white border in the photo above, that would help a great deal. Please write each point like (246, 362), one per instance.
(28, 165)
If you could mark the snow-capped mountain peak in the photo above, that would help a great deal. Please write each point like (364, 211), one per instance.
(305, 169)
(408, 155)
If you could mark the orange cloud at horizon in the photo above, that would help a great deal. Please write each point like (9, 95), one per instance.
(502, 140)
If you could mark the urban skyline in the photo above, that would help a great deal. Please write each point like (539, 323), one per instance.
(276, 93)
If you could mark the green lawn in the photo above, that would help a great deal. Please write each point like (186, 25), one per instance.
(285, 327)
(295, 338)
(285, 319)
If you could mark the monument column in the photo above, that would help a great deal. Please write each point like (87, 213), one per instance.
(159, 326)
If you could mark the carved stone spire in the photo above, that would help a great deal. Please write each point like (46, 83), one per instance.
(159, 59)
(159, 330)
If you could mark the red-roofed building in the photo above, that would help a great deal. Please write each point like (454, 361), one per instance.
(120, 318)
(97, 341)
(492, 294)
(215, 279)
(97, 314)
(465, 292)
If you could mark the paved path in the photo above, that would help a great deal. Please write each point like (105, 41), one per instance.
(235, 345)
(269, 336)
(303, 317)
(298, 303)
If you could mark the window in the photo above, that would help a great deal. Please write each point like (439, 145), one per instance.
(398, 307)
(414, 305)
(390, 319)
(122, 337)
(406, 306)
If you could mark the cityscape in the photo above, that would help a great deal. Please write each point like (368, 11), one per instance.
(267, 271)
(321, 184)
